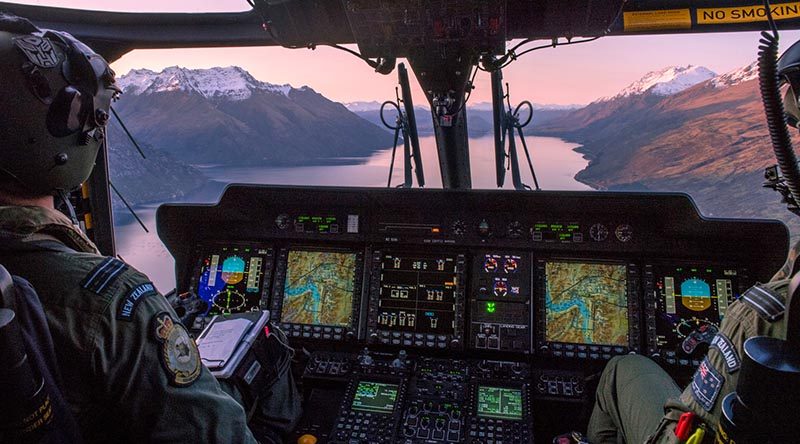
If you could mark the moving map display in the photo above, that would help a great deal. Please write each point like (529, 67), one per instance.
(499, 402)
(417, 293)
(690, 304)
(376, 397)
(230, 279)
(586, 303)
(319, 288)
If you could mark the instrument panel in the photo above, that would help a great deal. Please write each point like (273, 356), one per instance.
(466, 316)
(557, 275)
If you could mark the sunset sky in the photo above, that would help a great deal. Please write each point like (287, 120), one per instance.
(575, 74)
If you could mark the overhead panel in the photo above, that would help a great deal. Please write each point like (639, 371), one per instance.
(397, 27)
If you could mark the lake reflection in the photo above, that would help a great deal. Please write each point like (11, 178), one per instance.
(555, 161)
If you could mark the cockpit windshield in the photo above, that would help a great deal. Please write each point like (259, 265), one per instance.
(626, 113)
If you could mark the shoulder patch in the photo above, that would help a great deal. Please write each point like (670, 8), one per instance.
(768, 304)
(128, 306)
(103, 275)
(179, 354)
(706, 384)
(728, 351)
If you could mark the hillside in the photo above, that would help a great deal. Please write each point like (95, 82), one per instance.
(158, 178)
(225, 116)
(708, 138)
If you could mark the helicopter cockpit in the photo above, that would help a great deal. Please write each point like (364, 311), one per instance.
(448, 315)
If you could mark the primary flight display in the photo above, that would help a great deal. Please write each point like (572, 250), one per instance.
(230, 278)
(690, 304)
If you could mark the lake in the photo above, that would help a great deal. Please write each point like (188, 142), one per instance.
(555, 161)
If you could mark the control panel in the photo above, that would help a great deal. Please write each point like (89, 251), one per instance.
(437, 395)
(466, 316)
(500, 302)
(500, 412)
(370, 411)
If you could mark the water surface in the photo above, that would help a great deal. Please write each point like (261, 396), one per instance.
(554, 160)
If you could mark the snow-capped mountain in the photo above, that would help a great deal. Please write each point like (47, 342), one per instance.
(358, 107)
(709, 140)
(736, 76)
(229, 83)
(226, 116)
(666, 82)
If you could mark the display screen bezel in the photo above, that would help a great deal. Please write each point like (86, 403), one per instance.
(657, 269)
(280, 285)
(375, 409)
(497, 415)
(583, 349)
(458, 272)
(204, 250)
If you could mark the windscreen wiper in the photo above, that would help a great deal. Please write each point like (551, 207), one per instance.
(405, 124)
(506, 121)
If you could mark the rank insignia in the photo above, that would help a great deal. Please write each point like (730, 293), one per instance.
(179, 354)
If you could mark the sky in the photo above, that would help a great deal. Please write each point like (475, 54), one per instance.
(576, 74)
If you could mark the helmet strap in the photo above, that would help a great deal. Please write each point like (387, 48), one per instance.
(65, 202)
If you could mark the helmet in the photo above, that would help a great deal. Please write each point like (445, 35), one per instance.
(55, 94)
(789, 72)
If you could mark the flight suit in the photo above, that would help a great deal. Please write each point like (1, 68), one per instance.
(131, 372)
(638, 402)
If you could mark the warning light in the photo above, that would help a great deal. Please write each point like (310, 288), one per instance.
(436, 230)
(491, 307)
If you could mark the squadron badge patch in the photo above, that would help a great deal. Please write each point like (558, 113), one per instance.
(38, 50)
(179, 354)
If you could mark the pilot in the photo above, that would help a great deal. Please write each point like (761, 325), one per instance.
(131, 372)
(638, 402)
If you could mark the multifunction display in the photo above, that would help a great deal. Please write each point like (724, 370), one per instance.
(317, 292)
(499, 402)
(318, 289)
(586, 303)
(690, 304)
(375, 397)
(230, 279)
(417, 293)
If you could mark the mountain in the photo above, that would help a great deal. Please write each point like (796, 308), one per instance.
(156, 178)
(708, 139)
(668, 81)
(226, 116)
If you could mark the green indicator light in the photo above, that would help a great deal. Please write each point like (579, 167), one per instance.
(490, 307)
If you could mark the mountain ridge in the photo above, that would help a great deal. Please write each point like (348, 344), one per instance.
(666, 81)
(709, 139)
(226, 116)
